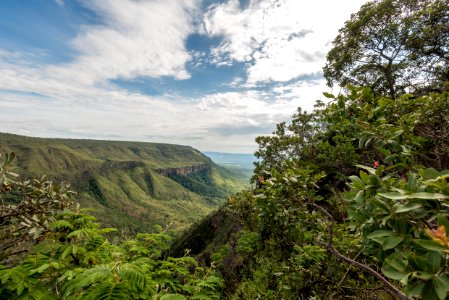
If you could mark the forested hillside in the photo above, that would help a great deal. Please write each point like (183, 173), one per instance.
(131, 185)
(351, 200)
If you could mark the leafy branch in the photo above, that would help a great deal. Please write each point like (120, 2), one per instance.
(330, 247)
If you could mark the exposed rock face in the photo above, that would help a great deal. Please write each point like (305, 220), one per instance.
(183, 170)
(121, 165)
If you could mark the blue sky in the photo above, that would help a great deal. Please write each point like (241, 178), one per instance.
(210, 74)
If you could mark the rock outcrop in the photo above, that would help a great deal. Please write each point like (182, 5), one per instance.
(183, 170)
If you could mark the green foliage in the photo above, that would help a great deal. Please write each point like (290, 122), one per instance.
(392, 46)
(353, 178)
(393, 215)
(76, 261)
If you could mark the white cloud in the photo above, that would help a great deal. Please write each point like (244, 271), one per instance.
(147, 38)
(137, 38)
(221, 121)
(282, 39)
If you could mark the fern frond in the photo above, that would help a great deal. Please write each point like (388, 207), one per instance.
(61, 225)
(82, 280)
(134, 276)
(14, 274)
(108, 291)
(95, 242)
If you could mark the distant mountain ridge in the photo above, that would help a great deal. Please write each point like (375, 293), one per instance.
(241, 163)
(131, 185)
(243, 160)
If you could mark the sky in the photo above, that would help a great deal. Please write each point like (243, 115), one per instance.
(210, 74)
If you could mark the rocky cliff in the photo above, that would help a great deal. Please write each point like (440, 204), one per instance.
(183, 170)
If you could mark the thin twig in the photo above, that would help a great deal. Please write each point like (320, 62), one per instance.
(349, 269)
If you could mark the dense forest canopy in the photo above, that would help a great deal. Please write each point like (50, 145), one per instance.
(352, 199)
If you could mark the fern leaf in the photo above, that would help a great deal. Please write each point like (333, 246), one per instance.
(134, 276)
(108, 291)
(61, 225)
(97, 274)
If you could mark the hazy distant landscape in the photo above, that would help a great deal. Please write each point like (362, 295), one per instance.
(242, 163)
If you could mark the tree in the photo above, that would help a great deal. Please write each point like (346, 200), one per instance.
(393, 47)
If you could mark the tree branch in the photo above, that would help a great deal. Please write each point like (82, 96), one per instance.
(330, 247)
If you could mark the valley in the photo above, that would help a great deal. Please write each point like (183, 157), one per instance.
(129, 185)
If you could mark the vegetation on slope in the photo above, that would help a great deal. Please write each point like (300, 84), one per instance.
(72, 259)
(122, 181)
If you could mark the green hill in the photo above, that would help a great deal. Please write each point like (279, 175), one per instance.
(131, 185)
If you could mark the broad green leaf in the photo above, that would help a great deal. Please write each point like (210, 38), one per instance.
(419, 262)
(431, 173)
(422, 275)
(380, 204)
(413, 291)
(385, 219)
(381, 233)
(397, 260)
(428, 292)
(388, 239)
(430, 245)
(411, 183)
(396, 134)
(370, 170)
(434, 260)
(407, 207)
(393, 196)
(430, 196)
(423, 195)
(359, 197)
(441, 285)
(357, 182)
(364, 177)
(392, 273)
(328, 95)
(392, 242)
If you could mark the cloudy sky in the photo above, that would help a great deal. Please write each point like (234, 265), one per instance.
(210, 74)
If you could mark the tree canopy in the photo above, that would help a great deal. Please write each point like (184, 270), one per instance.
(393, 47)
